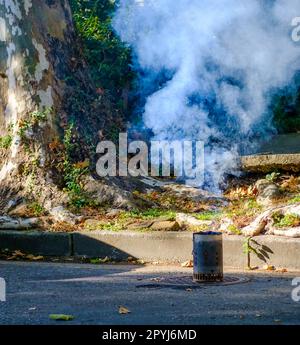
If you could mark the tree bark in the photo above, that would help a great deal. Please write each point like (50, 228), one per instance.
(41, 68)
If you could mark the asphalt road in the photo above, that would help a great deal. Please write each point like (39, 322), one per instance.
(93, 294)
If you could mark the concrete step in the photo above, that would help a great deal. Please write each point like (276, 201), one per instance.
(281, 152)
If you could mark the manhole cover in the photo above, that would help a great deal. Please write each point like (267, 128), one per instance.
(186, 282)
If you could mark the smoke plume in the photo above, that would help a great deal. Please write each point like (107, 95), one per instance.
(209, 69)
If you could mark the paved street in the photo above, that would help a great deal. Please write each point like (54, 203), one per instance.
(93, 294)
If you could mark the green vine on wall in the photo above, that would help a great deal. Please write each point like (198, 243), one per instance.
(73, 172)
(6, 140)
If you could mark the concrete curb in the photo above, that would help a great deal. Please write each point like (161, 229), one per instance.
(37, 242)
(156, 246)
(266, 163)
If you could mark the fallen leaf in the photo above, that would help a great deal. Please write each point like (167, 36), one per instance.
(123, 310)
(269, 268)
(61, 317)
(34, 258)
(283, 270)
(18, 253)
(82, 165)
(55, 144)
(187, 264)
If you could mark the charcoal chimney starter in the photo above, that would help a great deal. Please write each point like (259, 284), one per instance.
(208, 256)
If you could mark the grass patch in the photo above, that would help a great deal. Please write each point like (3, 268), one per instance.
(36, 209)
(208, 215)
(285, 221)
(149, 214)
(294, 200)
(5, 141)
(107, 225)
(97, 261)
(234, 229)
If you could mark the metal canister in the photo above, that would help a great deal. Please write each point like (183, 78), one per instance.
(208, 256)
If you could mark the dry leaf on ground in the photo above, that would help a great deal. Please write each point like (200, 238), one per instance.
(17, 254)
(34, 258)
(123, 310)
(187, 264)
(269, 268)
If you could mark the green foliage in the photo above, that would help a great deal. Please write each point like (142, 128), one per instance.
(208, 215)
(108, 225)
(72, 173)
(35, 118)
(108, 57)
(241, 208)
(234, 229)
(295, 199)
(247, 248)
(273, 176)
(36, 209)
(40, 116)
(252, 205)
(285, 221)
(250, 246)
(30, 170)
(6, 140)
(97, 261)
(61, 317)
(286, 110)
(149, 214)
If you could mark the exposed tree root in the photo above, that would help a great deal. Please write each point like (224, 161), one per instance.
(292, 232)
(186, 220)
(17, 223)
(258, 225)
(265, 224)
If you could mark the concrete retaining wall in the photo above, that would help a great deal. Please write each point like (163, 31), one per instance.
(160, 246)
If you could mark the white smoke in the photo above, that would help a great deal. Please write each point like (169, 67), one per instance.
(225, 57)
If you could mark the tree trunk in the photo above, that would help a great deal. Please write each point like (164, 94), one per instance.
(41, 68)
